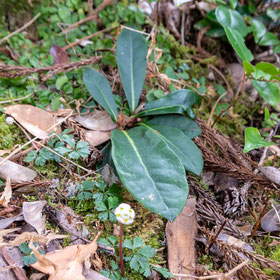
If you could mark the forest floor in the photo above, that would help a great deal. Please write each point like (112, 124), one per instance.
(59, 199)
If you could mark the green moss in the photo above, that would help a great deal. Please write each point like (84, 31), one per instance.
(10, 135)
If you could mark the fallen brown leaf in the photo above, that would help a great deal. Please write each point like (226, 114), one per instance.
(32, 213)
(59, 55)
(95, 138)
(180, 236)
(17, 173)
(98, 120)
(7, 194)
(35, 120)
(66, 264)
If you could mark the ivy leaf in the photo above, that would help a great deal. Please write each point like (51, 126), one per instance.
(253, 140)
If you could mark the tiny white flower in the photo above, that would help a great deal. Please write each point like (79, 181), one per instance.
(9, 120)
(125, 214)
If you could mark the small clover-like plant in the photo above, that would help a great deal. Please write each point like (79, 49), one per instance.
(29, 257)
(152, 157)
(63, 144)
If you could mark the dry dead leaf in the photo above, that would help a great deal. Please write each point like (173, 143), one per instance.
(32, 213)
(59, 55)
(66, 264)
(98, 120)
(95, 138)
(272, 173)
(7, 194)
(17, 173)
(180, 236)
(270, 221)
(35, 120)
(34, 237)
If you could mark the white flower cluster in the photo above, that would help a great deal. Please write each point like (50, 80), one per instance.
(125, 214)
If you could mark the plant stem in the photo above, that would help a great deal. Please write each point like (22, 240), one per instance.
(121, 251)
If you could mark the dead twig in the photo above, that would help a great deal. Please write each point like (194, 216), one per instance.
(74, 44)
(19, 272)
(218, 276)
(19, 30)
(260, 218)
(13, 71)
(237, 95)
(93, 16)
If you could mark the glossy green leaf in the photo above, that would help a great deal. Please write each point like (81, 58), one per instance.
(150, 171)
(253, 140)
(237, 42)
(276, 49)
(258, 28)
(269, 39)
(248, 67)
(132, 64)
(274, 14)
(269, 91)
(185, 149)
(100, 89)
(177, 102)
(265, 70)
(266, 114)
(189, 127)
(233, 3)
(231, 19)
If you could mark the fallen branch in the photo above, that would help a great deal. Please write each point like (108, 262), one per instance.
(14, 71)
(101, 7)
(74, 44)
(218, 276)
(19, 30)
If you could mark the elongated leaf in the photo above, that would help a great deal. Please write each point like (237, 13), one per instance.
(150, 171)
(237, 42)
(181, 145)
(269, 91)
(258, 28)
(178, 102)
(132, 64)
(253, 140)
(100, 89)
(189, 127)
(269, 39)
(231, 19)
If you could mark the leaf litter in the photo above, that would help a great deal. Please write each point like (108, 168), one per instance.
(220, 155)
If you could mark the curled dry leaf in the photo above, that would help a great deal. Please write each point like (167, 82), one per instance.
(7, 193)
(34, 237)
(270, 221)
(59, 55)
(35, 120)
(32, 213)
(272, 173)
(17, 173)
(66, 264)
(98, 120)
(95, 138)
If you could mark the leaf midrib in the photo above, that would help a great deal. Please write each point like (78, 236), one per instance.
(142, 163)
(169, 142)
